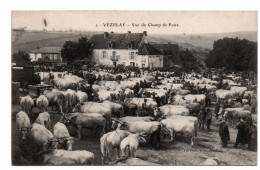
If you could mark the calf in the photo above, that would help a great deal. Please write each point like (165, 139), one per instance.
(112, 140)
(131, 142)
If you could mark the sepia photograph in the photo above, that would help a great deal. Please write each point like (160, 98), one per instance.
(134, 88)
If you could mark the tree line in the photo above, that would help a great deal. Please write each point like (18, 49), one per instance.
(233, 54)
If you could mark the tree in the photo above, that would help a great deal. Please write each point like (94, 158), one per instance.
(233, 54)
(68, 51)
(21, 58)
(76, 50)
(84, 48)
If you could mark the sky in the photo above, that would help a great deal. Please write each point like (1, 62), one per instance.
(154, 22)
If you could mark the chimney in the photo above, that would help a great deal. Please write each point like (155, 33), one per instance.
(129, 32)
(106, 34)
(145, 33)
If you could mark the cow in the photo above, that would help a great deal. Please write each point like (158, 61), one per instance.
(128, 119)
(151, 129)
(81, 96)
(61, 132)
(55, 98)
(42, 136)
(93, 121)
(175, 125)
(236, 114)
(44, 119)
(82, 157)
(23, 123)
(26, 104)
(93, 107)
(170, 110)
(50, 160)
(117, 109)
(134, 162)
(131, 143)
(42, 103)
(112, 140)
(72, 99)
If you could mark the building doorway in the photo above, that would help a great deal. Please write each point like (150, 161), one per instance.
(132, 64)
(114, 63)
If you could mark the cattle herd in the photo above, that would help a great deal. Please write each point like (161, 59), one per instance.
(126, 109)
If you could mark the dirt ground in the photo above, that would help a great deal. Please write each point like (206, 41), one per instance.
(178, 152)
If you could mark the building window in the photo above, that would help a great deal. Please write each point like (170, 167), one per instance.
(104, 54)
(143, 65)
(55, 57)
(130, 45)
(123, 63)
(114, 54)
(132, 64)
(132, 55)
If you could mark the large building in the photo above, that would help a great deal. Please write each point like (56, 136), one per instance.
(50, 55)
(129, 49)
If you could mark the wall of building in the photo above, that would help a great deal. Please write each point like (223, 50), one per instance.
(52, 57)
(155, 61)
(123, 56)
(152, 61)
(35, 56)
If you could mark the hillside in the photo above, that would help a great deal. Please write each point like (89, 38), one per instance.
(30, 40)
(202, 40)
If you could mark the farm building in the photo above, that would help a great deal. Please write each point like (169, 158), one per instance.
(47, 55)
(129, 49)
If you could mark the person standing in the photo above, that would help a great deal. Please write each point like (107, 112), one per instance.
(241, 133)
(201, 118)
(253, 141)
(208, 119)
(224, 133)
(217, 107)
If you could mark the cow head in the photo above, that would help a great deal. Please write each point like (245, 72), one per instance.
(142, 138)
(77, 108)
(25, 131)
(53, 143)
(63, 119)
(66, 143)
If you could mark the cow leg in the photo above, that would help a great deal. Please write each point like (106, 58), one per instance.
(118, 151)
(79, 131)
(172, 134)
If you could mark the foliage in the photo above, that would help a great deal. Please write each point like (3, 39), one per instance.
(233, 54)
(21, 58)
(76, 50)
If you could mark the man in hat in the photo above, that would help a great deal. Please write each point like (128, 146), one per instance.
(241, 133)
(224, 133)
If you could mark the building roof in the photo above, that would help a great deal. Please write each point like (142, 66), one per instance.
(167, 49)
(148, 49)
(55, 50)
(119, 41)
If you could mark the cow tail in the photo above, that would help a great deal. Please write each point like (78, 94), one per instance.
(26, 108)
